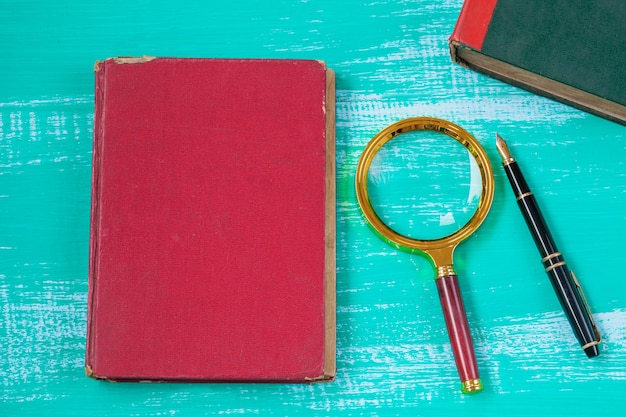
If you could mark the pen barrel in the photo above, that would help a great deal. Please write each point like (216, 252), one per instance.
(459, 333)
(568, 293)
(530, 210)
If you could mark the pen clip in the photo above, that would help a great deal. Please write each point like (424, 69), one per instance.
(584, 299)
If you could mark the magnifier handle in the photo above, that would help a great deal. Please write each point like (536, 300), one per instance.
(458, 330)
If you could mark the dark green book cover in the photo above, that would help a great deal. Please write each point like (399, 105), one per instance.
(571, 50)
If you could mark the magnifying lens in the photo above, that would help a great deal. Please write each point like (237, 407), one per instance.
(424, 193)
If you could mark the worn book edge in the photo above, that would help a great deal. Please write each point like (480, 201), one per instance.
(527, 80)
(330, 270)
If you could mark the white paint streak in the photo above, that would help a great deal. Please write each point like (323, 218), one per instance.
(54, 121)
(365, 111)
(534, 348)
(50, 101)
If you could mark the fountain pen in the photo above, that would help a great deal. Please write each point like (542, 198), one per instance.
(564, 281)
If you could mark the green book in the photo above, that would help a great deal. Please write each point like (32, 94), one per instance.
(573, 51)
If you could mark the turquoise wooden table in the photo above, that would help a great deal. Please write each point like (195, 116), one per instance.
(392, 61)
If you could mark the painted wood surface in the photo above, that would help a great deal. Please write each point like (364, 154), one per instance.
(392, 61)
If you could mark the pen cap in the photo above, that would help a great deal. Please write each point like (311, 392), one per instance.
(574, 304)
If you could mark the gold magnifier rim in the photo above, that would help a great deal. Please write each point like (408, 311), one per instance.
(455, 132)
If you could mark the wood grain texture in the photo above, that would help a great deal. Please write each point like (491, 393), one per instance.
(393, 357)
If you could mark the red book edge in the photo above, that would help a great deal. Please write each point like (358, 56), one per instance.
(330, 234)
(330, 295)
(471, 27)
(95, 213)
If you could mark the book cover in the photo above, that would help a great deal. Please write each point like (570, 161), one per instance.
(569, 50)
(212, 247)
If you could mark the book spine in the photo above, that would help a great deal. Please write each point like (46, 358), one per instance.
(473, 23)
(98, 132)
(330, 267)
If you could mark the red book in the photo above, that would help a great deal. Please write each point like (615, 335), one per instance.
(569, 50)
(213, 221)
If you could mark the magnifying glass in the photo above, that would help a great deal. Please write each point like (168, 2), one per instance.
(424, 193)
